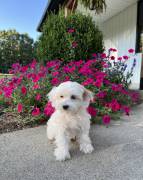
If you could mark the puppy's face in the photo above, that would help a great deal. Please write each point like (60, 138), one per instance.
(70, 97)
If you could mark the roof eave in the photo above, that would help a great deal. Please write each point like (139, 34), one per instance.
(51, 6)
(44, 15)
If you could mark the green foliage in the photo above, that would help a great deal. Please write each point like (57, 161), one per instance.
(57, 42)
(27, 90)
(98, 5)
(15, 47)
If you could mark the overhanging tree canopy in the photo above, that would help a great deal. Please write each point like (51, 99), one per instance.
(97, 5)
(71, 5)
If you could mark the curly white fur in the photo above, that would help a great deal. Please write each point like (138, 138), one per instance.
(70, 118)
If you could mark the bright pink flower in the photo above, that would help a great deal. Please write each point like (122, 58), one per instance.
(101, 94)
(24, 68)
(88, 81)
(126, 110)
(19, 107)
(100, 75)
(36, 112)
(78, 63)
(94, 55)
(92, 111)
(117, 87)
(126, 57)
(43, 68)
(7, 91)
(119, 58)
(36, 79)
(29, 75)
(97, 83)
(49, 109)
(66, 78)
(67, 69)
(33, 64)
(103, 56)
(41, 74)
(89, 63)
(112, 57)
(104, 64)
(11, 84)
(84, 70)
(74, 44)
(113, 49)
(16, 66)
(38, 97)
(131, 50)
(36, 86)
(55, 81)
(106, 119)
(107, 82)
(1, 93)
(114, 105)
(72, 63)
(71, 30)
(19, 80)
(55, 73)
(51, 64)
(10, 71)
(23, 90)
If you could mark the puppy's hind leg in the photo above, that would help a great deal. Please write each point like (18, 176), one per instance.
(62, 149)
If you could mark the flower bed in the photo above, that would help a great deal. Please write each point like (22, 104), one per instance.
(25, 92)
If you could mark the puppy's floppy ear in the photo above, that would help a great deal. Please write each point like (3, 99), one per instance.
(88, 95)
(51, 94)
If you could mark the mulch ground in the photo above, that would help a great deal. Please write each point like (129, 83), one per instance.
(9, 122)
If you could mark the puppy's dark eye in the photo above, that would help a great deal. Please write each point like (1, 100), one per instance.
(61, 96)
(73, 97)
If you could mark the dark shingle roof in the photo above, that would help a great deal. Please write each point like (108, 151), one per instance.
(53, 5)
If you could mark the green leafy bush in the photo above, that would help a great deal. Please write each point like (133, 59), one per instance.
(26, 91)
(15, 47)
(72, 38)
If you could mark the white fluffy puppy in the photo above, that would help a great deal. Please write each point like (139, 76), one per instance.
(70, 118)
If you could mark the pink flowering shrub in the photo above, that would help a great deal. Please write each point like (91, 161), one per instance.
(26, 91)
(74, 37)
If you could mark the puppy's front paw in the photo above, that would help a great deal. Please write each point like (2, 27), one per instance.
(86, 148)
(61, 154)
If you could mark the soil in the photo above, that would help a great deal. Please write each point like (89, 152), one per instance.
(10, 122)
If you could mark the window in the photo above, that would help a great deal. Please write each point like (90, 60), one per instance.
(139, 43)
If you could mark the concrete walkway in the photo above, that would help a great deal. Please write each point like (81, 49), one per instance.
(118, 155)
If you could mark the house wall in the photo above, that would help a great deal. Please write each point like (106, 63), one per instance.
(120, 32)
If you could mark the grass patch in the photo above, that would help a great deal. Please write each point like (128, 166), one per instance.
(5, 75)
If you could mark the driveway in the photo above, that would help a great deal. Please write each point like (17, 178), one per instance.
(118, 155)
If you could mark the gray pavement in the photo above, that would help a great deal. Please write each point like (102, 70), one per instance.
(118, 155)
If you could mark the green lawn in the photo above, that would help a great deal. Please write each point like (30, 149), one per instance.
(5, 75)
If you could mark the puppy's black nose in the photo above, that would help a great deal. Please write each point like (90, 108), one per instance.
(65, 107)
